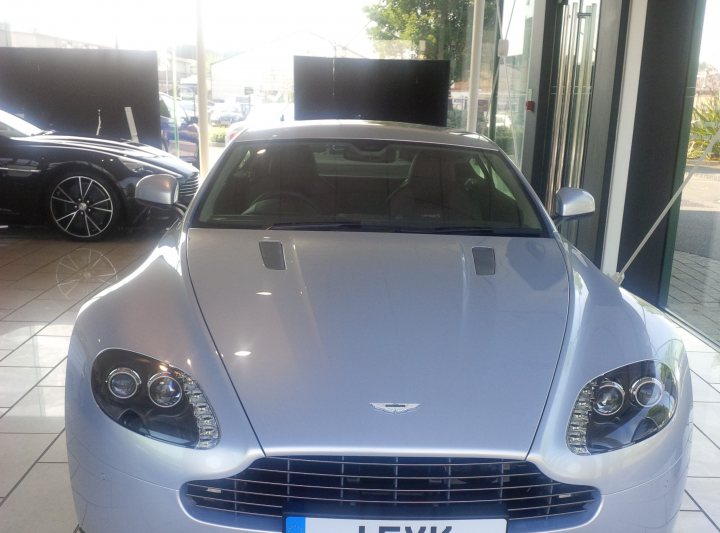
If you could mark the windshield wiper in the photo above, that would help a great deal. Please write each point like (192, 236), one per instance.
(475, 230)
(357, 225)
(330, 226)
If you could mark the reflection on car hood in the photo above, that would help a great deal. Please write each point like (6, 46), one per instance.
(358, 318)
(141, 152)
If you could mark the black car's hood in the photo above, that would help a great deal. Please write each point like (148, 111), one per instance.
(119, 148)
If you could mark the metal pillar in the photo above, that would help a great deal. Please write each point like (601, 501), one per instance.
(475, 52)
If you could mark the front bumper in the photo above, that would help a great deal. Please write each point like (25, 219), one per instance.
(108, 501)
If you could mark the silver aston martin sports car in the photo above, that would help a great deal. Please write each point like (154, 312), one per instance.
(366, 327)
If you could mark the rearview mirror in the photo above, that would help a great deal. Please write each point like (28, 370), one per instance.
(157, 190)
(573, 203)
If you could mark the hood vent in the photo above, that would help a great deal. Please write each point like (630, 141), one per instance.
(272, 255)
(484, 258)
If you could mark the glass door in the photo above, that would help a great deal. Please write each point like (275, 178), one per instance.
(572, 93)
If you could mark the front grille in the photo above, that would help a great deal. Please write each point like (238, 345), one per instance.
(190, 186)
(392, 485)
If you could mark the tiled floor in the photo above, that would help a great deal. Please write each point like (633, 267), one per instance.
(695, 292)
(44, 281)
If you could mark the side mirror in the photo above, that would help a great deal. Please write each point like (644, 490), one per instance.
(573, 203)
(192, 120)
(157, 190)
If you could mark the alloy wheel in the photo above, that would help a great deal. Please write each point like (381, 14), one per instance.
(82, 207)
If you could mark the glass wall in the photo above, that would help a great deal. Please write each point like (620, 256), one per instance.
(250, 48)
(694, 293)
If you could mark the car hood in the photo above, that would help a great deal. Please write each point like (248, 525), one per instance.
(141, 152)
(361, 318)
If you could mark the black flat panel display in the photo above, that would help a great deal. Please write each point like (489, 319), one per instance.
(372, 89)
(63, 89)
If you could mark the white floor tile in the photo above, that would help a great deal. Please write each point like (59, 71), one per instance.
(43, 310)
(13, 334)
(693, 522)
(47, 483)
(705, 457)
(42, 410)
(16, 298)
(706, 365)
(694, 344)
(39, 351)
(702, 392)
(688, 504)
(62, 326)
(56, 378)
(706, 416)
(36, 281)
(57, 452)
(17, 454)
(15, 382)
(70, 291)
(706, 492)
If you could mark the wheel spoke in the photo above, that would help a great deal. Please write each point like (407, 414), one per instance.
(82, 196)
(87, 226)
(102, 209)
(60, 189)
(71, 220)
(93, 223)
(63, 200)
(68, 215)
(101, 202)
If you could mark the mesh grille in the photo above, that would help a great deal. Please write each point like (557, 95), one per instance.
(190, 186)
(471, 487)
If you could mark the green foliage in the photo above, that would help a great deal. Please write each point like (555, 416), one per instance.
(504, 139)
(705, 124)
(217, 134)
(444, 25)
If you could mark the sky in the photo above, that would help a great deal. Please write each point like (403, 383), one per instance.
(710, 47)
(230, 25)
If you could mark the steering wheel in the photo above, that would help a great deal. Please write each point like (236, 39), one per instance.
(286, 194)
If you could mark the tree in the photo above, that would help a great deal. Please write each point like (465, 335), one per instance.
(443, 25)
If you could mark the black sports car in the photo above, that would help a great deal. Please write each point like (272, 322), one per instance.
(83, 186)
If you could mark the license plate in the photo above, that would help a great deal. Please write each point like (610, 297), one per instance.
(302, 524)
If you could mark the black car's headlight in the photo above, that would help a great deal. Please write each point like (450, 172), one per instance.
(153, 399)
(622, 407)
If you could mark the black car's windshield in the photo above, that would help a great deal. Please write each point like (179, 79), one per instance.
(367, 185)
(12, 126)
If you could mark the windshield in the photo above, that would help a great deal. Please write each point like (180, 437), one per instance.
(367, 185)
(12, 126)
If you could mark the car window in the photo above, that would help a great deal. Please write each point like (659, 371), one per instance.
(171, 109)
(367, 185)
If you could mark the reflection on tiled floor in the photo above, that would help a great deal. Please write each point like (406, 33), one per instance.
(695, 292)
(43, 283)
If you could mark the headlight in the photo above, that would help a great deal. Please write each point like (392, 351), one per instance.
(153, 399)
(622, 407)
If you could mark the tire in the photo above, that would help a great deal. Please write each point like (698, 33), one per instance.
(83, 205)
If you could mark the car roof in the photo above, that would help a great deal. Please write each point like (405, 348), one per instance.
(365, 129)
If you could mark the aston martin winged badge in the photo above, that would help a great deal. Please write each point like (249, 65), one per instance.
(395, 408)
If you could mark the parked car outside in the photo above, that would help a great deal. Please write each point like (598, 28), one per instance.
(84, 187)
(372, 327)
(179, 131)
(224, 114)
(261, 115)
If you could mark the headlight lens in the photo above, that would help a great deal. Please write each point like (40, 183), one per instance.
(622, 407)
(153, 399)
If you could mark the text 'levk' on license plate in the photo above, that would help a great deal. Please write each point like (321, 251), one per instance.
(301, 524)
